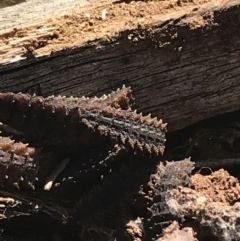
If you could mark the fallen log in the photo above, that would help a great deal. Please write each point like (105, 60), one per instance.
(181, 58)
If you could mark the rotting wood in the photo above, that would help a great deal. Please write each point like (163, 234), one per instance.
(162, 73)
(193, 75)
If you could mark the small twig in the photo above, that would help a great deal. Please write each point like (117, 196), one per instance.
(54, 174)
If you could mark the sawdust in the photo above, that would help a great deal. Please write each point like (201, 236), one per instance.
(219, 186)
(103, 20)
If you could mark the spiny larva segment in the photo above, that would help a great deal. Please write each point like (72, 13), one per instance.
(68, 120)
(18, 164)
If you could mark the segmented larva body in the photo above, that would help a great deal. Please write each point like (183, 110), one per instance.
(61, 119)
(170, 176)
(18, 164)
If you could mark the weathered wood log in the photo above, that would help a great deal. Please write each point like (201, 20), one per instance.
(181, 59)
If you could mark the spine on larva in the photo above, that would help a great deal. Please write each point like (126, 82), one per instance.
(19, 164)
(121, 98)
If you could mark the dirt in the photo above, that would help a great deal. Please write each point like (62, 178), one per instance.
(173, 232)
(220, 186)
(213, 201)
(100, 20)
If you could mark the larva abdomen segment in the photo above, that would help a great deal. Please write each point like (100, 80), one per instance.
(18, 164)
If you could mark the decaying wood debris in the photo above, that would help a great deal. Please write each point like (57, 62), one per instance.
(91, 168)
(216, 206)
(109, 183)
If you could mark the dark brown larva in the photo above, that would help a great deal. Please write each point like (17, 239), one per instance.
(60, 120)
(19, 164)
(167, 177)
